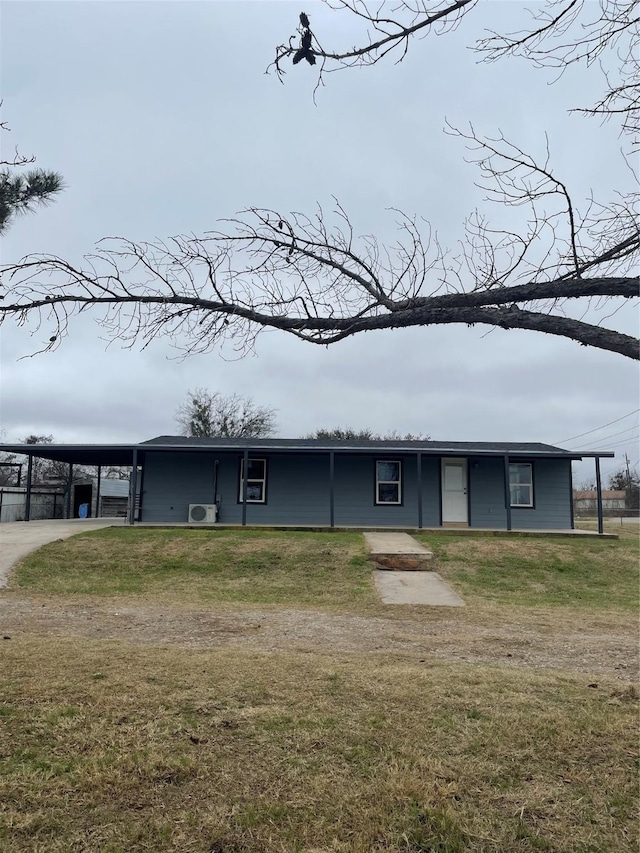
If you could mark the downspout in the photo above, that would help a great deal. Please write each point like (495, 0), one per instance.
(599, 496)
(215, 487)
(27, 509)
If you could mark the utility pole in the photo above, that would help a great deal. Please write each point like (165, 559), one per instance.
(626, 459)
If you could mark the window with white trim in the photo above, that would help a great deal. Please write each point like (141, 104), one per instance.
(256, 481)
(521, 484)
(388, 481)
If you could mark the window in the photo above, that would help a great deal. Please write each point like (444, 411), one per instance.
(256, 481)
(521, 483)
(388, 481)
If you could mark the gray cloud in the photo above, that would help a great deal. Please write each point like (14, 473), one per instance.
(161, 120)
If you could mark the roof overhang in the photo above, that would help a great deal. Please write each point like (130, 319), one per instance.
(122, 454)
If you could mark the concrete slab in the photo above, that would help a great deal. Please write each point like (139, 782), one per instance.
(18, 538)
(398, 552)
(394, 543)
(415, 588)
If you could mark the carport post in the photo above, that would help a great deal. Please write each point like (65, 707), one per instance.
(599, 496)
(245, 474)
(507, 490)
(332, 506)
(97, 515)
(27, 509)
(69, 485)
(134, 487)
(419, 477)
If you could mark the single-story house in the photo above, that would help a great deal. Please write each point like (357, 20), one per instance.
(586, 500)
(340, 483)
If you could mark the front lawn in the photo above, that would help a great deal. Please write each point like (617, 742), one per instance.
(592, 573)
(252, 566)
(117, 748)
(299, 568)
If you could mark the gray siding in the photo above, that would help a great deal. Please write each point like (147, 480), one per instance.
(355, 493)
(298, 491)
(551, 495)
(486, 493)
(172, 481)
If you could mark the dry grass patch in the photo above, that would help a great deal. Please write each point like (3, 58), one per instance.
(597, 574)
(110, 747)
(257, 567)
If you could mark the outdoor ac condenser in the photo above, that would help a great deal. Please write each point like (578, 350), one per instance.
(203, 513)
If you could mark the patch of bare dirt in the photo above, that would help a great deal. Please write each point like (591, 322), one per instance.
(588, 645)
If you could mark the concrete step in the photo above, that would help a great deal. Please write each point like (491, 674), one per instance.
(398, 552)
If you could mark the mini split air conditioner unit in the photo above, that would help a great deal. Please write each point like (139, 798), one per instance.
(203, 513)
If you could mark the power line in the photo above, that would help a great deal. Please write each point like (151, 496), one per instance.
(620, 443)
(620, 432)
(597, 429)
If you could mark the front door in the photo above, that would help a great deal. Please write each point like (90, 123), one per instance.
(454, 492)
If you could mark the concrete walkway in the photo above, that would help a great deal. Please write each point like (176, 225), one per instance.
(18, 538)
(404, 575)
(415, 588)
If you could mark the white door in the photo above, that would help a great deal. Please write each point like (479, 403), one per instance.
(454, 491)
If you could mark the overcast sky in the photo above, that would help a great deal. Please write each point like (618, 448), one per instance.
(161, 120)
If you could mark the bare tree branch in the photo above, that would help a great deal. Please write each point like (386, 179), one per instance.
(382, 37)
(316, 281)
(312, 277)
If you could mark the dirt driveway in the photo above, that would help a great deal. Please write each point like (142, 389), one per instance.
(539, 640)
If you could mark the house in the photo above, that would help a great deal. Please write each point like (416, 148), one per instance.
(340, 483)
(586, 501)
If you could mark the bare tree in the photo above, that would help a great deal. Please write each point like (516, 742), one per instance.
(549, 266)
(206, 413)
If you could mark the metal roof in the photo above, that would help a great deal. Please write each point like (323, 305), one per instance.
(122, 454)
(180, 441)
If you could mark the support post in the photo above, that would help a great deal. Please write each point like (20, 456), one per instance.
(69, 485)
(332, 504)
(133, 491)
(507, 490)
(419, 478)
(599, 496)
(27, 509)
(245, 474)
(97, 515)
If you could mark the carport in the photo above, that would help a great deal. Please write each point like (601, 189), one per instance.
(95, 455)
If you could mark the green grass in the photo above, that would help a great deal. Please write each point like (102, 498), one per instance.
(301, 568)
(596, 574)
(117, 748)
(258, 567)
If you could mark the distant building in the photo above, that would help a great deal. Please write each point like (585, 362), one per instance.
(109, 501)
(585, 501)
